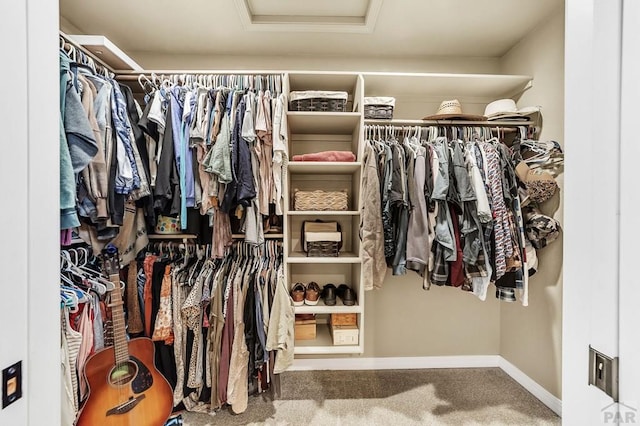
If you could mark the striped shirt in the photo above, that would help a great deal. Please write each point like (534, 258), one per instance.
(503, 245)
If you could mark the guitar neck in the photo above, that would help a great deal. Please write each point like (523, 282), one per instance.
(120, 344)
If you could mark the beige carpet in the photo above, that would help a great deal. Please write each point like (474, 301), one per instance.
(476, 396)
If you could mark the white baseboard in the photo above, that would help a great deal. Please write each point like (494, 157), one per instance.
(546, 397)
(400, 363)
(407, 363)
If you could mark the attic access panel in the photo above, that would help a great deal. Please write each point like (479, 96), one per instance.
(352, 16)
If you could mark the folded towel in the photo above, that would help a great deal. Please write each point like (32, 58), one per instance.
(345, 156)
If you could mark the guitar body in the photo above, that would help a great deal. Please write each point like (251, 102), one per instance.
(134, 393)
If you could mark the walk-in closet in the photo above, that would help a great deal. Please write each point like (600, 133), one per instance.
(275, 212)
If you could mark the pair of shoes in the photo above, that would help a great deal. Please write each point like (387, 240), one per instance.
(308, 294)
(329, 294)
(347, 295)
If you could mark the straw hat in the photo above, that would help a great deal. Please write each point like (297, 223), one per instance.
(452, 109)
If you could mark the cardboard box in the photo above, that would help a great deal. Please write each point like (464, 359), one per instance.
(344, 335)
(305, 327)
(344, 319)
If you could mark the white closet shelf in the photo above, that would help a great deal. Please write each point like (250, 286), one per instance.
(345, 257)
(324, 167)
(434, 86)
(324, 213)
(321, 308)
(172, 236)
(328, 123)
(266, 236)
(304, 80)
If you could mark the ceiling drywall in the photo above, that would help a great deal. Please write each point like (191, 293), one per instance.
(403, 28)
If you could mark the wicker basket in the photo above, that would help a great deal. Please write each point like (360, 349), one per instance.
(379, 107)
(312, 100)
(322, 249)
(377, 112)
(320, 200)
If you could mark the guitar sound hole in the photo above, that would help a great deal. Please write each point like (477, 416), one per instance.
(123, 373)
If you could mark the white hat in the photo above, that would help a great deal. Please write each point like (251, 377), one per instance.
(505, 109)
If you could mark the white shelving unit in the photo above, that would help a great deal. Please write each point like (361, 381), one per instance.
(417, 95)
(311, 132)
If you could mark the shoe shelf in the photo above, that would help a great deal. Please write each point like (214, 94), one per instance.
(324, 167)
(323, 344)
(321, 308)
(345, 257)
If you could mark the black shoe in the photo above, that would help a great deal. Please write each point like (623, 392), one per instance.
(347, 295)
(329, 294)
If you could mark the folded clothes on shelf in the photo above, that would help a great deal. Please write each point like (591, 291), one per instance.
(343, 156)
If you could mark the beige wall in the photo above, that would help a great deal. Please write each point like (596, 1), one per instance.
(531, 337)
(404, 320)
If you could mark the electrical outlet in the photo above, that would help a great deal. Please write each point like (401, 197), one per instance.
(11, 384)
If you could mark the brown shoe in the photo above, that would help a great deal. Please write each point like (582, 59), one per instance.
(312, 295)
(298, 294)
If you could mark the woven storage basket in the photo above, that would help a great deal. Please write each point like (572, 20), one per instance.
(323, 249)
(320, 238)
(320, 200)
(316, 100)
(379, 107)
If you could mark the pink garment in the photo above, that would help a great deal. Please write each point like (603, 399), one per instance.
(345, 156)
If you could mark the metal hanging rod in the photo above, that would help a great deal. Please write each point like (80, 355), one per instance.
(448, 123)
(133, 76)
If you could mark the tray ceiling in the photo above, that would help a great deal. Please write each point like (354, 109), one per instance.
(362, 28)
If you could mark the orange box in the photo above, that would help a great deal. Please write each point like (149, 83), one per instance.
(344, 319)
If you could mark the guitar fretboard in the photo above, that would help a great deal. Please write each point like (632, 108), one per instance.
(119, 330)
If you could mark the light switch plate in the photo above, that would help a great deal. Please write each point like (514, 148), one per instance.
(11, 384)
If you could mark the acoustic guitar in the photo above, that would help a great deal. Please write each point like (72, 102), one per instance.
(125, 388)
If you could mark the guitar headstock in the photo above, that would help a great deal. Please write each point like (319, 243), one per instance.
(111, 260)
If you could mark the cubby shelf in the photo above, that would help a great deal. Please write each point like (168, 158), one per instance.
(266, 236)
(323, 344)
(297, 257)
(324, 167)
(323, 213)
(328, 123)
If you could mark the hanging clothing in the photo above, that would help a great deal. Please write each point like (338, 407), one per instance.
(371, 230)
(450, 210)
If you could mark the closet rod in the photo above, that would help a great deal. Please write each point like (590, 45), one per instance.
(86, 52)
(133, 76)
(460, 123)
